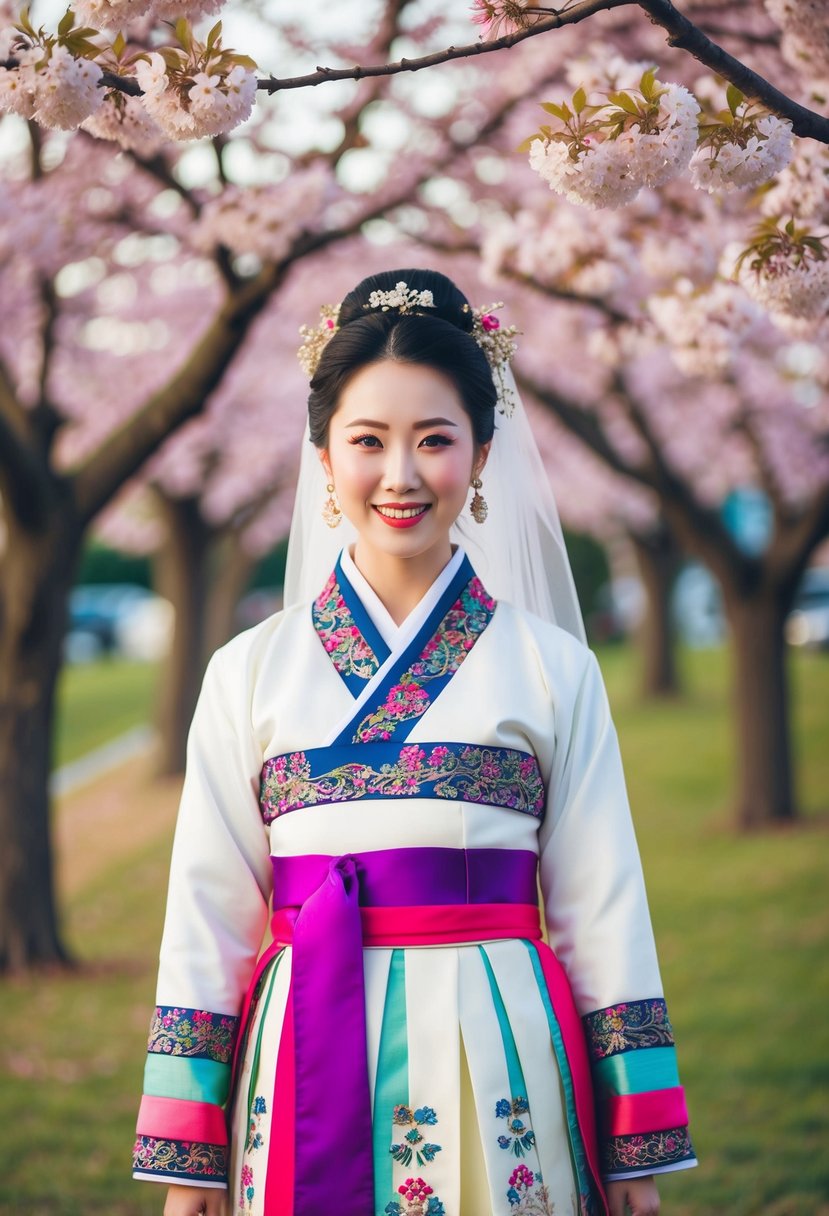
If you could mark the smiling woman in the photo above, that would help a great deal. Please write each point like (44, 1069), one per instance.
(390, 768)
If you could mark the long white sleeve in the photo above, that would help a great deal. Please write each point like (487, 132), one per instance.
(217, 906)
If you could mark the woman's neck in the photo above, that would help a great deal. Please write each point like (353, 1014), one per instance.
(400, 583)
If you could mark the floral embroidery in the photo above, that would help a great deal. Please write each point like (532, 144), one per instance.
(654, 1148)
(418, 1200)
(246, 1189)
(254, 1139)
(520, 1137)
(441, 657)
(187, 1158)
(627, 1027)
(414, 1144)
(527, 1194)
(338, 631)
(193, 1032)
(493, 776)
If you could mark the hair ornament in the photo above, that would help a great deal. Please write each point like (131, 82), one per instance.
(497, 341)
(315, 338)
(403, 298)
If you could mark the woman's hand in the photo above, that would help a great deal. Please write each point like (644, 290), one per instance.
(638, 1196)
(196, 1201)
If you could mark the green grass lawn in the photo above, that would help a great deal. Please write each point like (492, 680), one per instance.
(742, 928)
(100, 701)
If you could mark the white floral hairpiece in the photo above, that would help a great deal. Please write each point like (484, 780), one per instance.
(496, 341)
(403, 297)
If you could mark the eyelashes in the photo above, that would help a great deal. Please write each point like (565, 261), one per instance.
(428, 441)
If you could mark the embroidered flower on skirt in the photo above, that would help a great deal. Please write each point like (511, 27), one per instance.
(519, 1138)
(644, 1151)
(419, 1199)
(414, 1145)
(246, 1189)
(527, 1194)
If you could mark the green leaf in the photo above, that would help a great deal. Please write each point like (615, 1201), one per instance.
(527, 143)
(66, 23)
(647, 85)
(214, 35)
(579, 100)
(25, 24)
(172, 58)
(563, 111)
(245, 61)
(625, 102)
(184, 33)
(119, 46)
(734, 98)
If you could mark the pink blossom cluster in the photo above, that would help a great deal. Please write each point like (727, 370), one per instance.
(591, 259)
(703, 329)
(802, 188)
(210, 103)
(794, 290)
(262, 220)
(126, 122)
(805, 43)
(103, 14)
(49, 84)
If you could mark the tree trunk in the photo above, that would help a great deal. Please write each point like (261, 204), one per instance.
(658, 557)
(35, 578)
(183, 579)
(765, 789)
(232, 568)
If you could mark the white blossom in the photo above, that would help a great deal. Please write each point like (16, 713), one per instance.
(66, 90)
(125, 121)
(599, 176)
(790, 290)
(211, 104)
(740, 166)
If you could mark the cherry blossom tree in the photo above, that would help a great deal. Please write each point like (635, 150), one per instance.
(134, 282)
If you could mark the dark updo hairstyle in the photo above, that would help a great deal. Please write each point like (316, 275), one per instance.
(439, 337)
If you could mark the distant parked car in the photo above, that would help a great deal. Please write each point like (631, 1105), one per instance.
(808, 622)
(96, 613)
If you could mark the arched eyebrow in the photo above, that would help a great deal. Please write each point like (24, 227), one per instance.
(418, 426)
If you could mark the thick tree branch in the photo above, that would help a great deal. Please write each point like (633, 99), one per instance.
(184, 395)
(683, 34)
(24, 482)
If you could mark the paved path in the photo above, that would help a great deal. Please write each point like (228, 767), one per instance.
(120, 809)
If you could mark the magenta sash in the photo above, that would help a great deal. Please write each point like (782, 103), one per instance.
(328, 909)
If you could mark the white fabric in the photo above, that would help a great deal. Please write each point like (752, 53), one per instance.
(518, 552)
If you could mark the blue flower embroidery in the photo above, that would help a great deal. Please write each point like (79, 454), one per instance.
(520, 1138)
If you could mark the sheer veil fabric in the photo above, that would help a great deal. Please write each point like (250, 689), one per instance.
(518, 552)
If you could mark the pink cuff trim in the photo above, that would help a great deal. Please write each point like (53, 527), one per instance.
(653, 1111)
(178, 1119)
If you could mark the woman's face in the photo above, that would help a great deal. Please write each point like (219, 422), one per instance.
(401, 455)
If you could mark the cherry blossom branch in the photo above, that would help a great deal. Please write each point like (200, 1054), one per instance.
(556, 20)
(686, 36)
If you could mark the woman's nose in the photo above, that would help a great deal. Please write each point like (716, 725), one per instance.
(400, 472)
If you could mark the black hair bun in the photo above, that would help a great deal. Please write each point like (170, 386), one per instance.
(449, 303)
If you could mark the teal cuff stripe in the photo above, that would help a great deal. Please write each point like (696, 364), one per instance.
(392, 1082)
(518, 1086)
(576, 1144)
(182, 1077)
(636, 1072)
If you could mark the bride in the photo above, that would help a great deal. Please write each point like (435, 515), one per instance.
(389, 768)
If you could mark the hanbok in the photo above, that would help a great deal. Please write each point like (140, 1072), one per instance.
(419, 810)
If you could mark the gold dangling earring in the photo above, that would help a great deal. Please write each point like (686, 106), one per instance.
(478, 507)
(331, 511)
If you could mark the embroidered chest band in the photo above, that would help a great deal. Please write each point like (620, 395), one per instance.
(490, 776)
